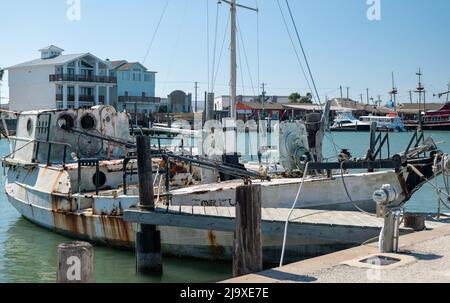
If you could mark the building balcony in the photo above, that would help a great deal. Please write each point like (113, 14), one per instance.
(130, 99)
(81, 98)
(81, 78)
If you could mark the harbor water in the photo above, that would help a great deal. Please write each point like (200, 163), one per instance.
(28, 253)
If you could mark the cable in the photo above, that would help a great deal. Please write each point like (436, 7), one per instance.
(317, 99)
(348, 194)
(221, 53)
(293, 45)
(155, 32)
(240, 68)
(246, 58)
(290, 214)
(215, 41)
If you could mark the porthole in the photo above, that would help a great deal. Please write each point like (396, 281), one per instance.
(87, 122)
(101, 179)
(65, 121)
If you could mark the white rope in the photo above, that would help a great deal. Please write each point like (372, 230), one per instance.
(290, 214)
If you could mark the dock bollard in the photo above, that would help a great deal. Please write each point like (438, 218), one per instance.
(148, 239)
(247, 246)
(75, 263)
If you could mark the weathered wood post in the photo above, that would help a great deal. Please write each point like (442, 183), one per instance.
(247, 246)
(75, 263)
(148, 238)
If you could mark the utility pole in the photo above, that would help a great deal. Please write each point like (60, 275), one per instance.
(233, 54)
(196, 95)
(361, 97)
(340, 88)
(379, 100)
(410, 97)
(367, 91)
(348, 93)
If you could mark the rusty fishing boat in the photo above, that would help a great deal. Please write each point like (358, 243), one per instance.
(74, 172)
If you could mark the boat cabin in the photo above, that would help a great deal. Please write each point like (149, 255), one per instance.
(63, 136)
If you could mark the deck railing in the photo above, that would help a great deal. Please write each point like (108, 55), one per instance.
(82, 78)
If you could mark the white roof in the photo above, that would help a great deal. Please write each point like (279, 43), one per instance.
(62, 59)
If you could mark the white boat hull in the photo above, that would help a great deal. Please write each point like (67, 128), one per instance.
(43, 196)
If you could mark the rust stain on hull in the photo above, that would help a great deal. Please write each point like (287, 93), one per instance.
(117, 230)
(217, 251)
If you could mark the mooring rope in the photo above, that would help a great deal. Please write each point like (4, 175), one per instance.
(290, 214)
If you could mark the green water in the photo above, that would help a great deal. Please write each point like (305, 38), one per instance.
(28, 253)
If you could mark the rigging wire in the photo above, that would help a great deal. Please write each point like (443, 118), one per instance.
(215, 41)
(181, 28)
(293, 45)
(221, 53)
(258, 54)
(240, 68)
(310, 72)
(303, 51)
(207, 43)
(246, 58)
(155, 32)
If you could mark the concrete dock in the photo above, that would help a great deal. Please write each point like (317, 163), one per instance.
(423, 257)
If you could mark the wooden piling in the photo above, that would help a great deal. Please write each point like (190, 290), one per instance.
(148, 238)
(75, 263)
(247, 246)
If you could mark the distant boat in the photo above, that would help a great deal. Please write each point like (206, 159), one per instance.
(433, 120)
(345, 121)
(392, 122)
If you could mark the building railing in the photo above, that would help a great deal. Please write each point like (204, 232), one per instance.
(132, 99)
(83, 78)
(101, 99)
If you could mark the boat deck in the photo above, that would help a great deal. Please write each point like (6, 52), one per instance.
(336, 226)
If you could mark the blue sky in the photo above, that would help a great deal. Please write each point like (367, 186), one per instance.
(343, 46)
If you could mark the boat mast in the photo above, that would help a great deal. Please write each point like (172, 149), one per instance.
(420, 90)
(233, 78)
(233, 54)
(394, 92)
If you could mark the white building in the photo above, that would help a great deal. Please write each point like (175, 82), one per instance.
(223, 102)
(60, 81)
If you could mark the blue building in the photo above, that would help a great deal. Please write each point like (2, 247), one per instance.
(135, 90)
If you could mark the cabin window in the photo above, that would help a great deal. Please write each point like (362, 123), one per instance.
(30, 126)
